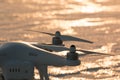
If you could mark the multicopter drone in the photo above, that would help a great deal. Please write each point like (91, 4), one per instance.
(18, 59)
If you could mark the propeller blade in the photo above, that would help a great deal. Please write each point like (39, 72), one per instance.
(92, 52)
(52, 44)
(62, 48)
(51, 47)
(71, 38)
(51, 34)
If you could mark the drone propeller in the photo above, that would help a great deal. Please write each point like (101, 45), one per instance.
(51, 34)
(51, 47)
(71, 38)
(64, 37)
(93, 52)
(62, 48)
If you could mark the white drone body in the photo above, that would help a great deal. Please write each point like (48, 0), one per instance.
(18, 59)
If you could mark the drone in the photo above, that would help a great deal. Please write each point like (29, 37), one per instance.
(18, 59)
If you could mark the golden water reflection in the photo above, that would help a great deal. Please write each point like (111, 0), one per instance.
(51, 15)
(85, 22)
(61, 13)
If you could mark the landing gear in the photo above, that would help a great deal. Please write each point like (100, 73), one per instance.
(43, 72)
(2, 77)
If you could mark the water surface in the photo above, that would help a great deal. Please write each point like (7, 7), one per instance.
(96, 20)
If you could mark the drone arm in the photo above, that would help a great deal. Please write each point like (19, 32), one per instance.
(48, 58)
(51, 59)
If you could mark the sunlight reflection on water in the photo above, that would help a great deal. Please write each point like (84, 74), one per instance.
(85, 22)
(48, 15)
(49, 11)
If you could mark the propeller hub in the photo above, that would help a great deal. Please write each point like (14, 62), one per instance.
(72, 49)
(57, 34)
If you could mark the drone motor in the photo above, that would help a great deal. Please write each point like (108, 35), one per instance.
(57, 41)
(72, 55)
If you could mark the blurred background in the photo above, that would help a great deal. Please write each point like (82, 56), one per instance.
(95, 20)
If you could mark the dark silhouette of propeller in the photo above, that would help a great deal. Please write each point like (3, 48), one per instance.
(58, 38)
(72, 49)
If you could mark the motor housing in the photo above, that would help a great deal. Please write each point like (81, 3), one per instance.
(57, 41)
